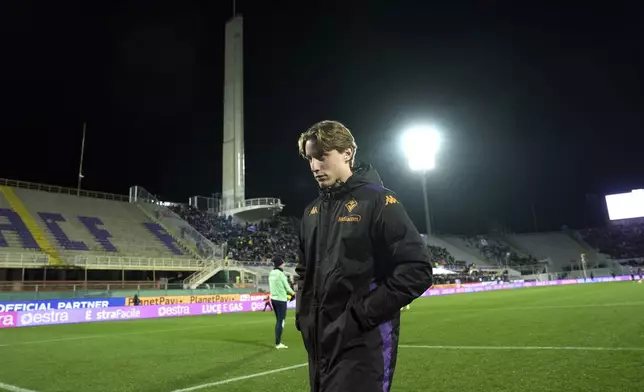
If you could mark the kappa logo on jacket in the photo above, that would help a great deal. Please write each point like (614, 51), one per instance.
(390, 200)
(314, 210)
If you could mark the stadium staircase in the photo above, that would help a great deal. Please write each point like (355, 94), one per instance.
(210, 255)
(211, 269)
(457, 243)
(35, 230)
(594, 258)
(184, 246)
(514, 245)
(456, 252)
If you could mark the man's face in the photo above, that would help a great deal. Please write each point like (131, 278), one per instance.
(327, 166)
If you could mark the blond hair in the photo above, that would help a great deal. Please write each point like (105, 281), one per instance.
(329, 135)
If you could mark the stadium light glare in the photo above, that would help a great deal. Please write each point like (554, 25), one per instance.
(420, 144)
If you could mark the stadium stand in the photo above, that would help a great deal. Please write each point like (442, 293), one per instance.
(619, 241)
(52, 225)
(451, 251)
(65, 226)
(246, 242)
(492, 250)
(558, 247)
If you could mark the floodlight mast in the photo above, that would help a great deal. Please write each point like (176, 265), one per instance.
(420, 145)
(428, 221)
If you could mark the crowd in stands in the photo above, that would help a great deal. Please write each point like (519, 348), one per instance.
(216, 229)
(440, 256)
(633, 263)
(256, 243)
(498, 252)
(470, 274)
(619, 241)
(246, 242)
(259, 243)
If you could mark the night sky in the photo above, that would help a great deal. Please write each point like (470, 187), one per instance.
(537, 105)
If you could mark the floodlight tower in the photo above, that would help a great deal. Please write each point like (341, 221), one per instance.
(420, 144)
(233, 165)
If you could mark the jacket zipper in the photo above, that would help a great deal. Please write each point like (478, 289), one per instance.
(325, 222)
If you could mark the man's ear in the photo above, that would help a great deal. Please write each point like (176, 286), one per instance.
(348, 154)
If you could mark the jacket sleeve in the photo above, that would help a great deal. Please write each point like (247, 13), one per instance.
(300, 271)
(410, 272)
(287, 286)
(300, 268)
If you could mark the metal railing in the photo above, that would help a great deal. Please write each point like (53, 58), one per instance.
(196, 279)
(173, 222)
(264, 264)
(39, 260)
(260, 201)
(211, 268)
(23, 260)
(62, 190)
(30, 290)
(141, 263)
(75, 285)
(71, 285)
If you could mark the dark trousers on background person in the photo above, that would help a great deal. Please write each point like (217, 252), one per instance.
(279, 307)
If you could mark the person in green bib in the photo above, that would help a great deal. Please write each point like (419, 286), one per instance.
(280, 290)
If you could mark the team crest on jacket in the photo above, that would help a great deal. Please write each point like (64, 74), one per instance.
(351, 205)
(314, 210)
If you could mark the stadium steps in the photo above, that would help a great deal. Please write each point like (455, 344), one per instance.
(193, 252)
(211, 269)
(459, 244)
(556, 246)
(517, 247)
(456, 252)
(591, 256)
(594, 257)
(33, 227)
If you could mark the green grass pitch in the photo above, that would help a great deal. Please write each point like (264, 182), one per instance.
(564, 338)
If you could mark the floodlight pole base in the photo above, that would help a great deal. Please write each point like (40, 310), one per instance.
(428, 223)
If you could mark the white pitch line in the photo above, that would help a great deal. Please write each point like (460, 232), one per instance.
(13, 388)
(534, 348)
(89, 337)
(242, 378)
(524, 308)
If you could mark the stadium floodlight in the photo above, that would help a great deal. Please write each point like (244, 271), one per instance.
(420, 145)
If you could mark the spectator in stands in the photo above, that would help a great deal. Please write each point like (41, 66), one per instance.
(246, 242)
(440, 255)
(619, 241)
(498, 252)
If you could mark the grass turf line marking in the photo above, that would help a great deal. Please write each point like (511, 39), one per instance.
(242, 378)
(13, 388)
(529, 348)
(535, 307)
(72, 338)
